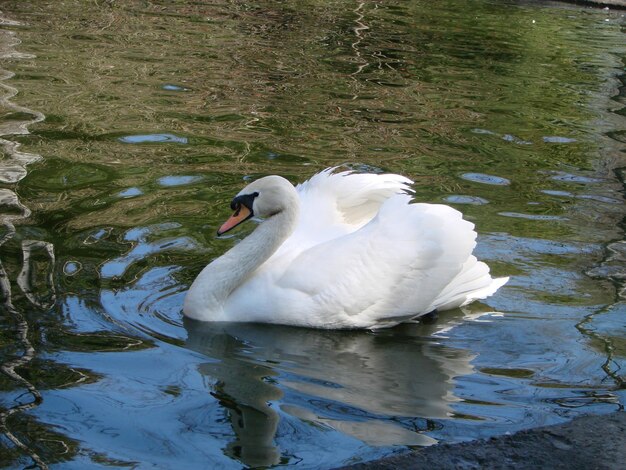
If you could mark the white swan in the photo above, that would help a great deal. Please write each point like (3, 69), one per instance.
(341, 250)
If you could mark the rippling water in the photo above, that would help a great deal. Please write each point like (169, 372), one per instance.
(126, 128)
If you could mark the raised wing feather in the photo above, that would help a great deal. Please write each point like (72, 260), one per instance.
(335, 204)
(355, 198)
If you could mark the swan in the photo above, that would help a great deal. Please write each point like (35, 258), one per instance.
(341, 250)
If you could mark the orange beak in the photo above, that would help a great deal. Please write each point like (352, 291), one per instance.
(241, 215)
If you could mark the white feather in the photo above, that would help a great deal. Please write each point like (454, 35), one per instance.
(358, 254)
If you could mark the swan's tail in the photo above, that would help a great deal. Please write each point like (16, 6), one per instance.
(358, 197)
(472, 283)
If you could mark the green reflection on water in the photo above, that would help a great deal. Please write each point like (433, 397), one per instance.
(315, 89)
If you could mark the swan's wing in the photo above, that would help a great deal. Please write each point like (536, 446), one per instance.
(353, 198)
(334, 204)
(390, 270)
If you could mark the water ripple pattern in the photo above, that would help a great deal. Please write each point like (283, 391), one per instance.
(159, 112)
(13, 163)
(12, 170)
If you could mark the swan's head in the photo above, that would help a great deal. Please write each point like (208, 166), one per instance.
(264, 197)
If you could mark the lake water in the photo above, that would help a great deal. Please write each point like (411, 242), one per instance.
(128, 126)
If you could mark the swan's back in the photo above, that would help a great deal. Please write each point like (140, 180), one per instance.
(391, 270)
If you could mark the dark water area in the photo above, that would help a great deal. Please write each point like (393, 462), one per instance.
(127, 127)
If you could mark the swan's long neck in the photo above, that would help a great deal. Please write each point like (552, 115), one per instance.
(210, 290)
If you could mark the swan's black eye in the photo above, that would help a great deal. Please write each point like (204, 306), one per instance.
(245, 200)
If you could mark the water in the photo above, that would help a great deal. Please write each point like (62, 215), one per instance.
(127, 128)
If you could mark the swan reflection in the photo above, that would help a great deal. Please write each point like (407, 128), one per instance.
(382, 388)
(280, 389)
(243, 390)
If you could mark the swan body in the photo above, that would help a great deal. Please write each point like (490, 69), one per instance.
(341, 250)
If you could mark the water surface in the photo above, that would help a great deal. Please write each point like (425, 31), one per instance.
(128, 126)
